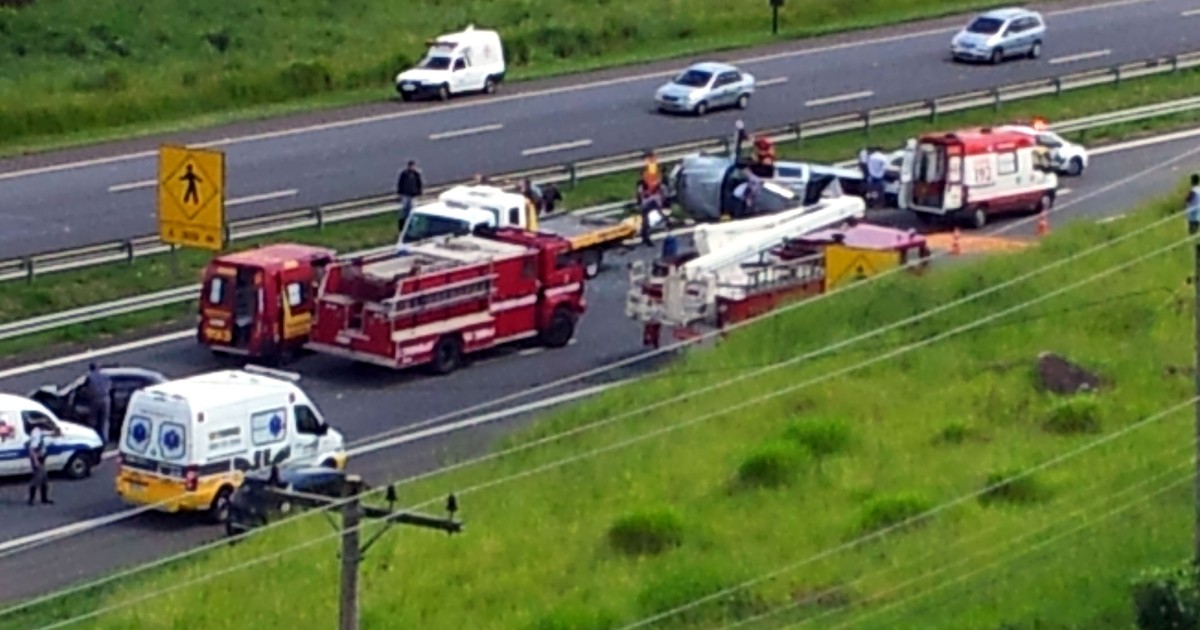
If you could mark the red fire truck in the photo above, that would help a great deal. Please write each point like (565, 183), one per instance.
(442, 299)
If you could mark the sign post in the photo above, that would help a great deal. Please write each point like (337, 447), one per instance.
(191, 197)
(775, 4)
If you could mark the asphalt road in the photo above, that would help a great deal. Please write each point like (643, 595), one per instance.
(58, 200)
(364, 401)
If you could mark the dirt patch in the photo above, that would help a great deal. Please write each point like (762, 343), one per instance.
(1061, 376)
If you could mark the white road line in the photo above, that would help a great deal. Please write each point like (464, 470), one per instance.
(149, 183)
(1190, 13)
(470, 131)
(839, 98)
(1083, 56)
(551, 148)
(1146, 142)
(1117, 217)
(279, 194)
(1064, 191)
(861, 43)
(770, 82)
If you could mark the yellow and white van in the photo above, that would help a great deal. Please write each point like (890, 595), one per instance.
(186, 443)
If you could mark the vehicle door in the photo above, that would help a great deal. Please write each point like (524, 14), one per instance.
(55, 458)
(247, 306)
(725, 88)
(1015, 38)
(904, 189)
(123, 387)
(14, 459)
(78, 403)
(298, 302)
(460, 75)
(306, 443)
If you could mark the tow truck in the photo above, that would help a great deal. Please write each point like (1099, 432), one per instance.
(444, 298)
(463, 209)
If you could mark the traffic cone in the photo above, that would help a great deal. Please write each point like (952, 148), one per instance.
(955, 245)
(1043, 224)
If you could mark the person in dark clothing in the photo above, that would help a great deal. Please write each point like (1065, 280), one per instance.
(37, 450)
(100, 391)
(409, 186)
(551, 197)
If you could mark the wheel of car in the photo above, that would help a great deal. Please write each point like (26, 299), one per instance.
(979, 218)
(489, 86)
(743, 101)
(1036, 50)
(997, 55)
(1075, 167)
(78, 466)
(444, 92)
(218, 510)
(701, 108)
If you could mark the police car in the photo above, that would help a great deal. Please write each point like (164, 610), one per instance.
(72, 449)
(1068, 158)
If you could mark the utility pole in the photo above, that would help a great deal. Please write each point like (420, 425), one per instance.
(353, 512)
(775, 4)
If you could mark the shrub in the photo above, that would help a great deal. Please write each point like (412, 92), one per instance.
(685, 584)
(1077, 414)
(954, 433)
(646, 533)
(771, 466)
(822, 437)
(1004, 485)
(306, 77)
(1166, 599)
(891, 510)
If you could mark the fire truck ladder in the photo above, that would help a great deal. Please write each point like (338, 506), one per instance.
(442, 296)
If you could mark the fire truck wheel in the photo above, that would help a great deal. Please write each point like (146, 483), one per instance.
(978, 218)
(560, 330)
(447, 355)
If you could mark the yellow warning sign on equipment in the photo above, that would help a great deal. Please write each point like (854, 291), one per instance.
(844, 265)
(191, 197)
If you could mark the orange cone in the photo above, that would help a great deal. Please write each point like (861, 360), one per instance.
(955, 245)
(1043, 224)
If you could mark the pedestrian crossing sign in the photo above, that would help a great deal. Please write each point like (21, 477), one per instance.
(191, 197)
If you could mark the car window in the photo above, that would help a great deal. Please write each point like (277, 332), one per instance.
(460, 64)
(435, 63)
(1049, 140)
(306, 420)
(216, 290)
(694, 78)
(728, 78)
(296, 294)
(985, 26)
(37, 419)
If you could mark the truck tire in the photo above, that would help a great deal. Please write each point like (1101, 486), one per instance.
(447, 355)
(560, 329)
(78, 466)
(593, 259)
(218, 510)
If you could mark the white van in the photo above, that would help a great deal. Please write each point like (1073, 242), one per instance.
(71, 448)
(185, 444)
(456, 63)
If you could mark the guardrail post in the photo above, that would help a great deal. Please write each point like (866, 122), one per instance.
(724, 145)
(127, 245)
(1117, 75)
(319, 215)
(1174, 64)
(572, 175)
(1058, 86)
(27, 263)
(995, 99)
(796, 130)
(866, 118)
(228, 233)
(933, 110)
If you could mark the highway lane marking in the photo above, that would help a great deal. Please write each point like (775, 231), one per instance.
(147, 183)
(1116, 217)
(1190, 13)
(360, 447)
(351, 122)
(839, 98)
(770, 82)
(470, 131)
(279, 194)
(1064, 191)
(564, 146)
(190, 333)
(1083, 56)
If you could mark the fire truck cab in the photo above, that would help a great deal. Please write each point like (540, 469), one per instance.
(975, 174)
(259, 303)
(441, 299)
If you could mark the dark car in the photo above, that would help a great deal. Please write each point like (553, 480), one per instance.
(252, 505)
(72, 402)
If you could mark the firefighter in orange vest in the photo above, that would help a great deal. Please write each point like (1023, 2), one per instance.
(763, 163)
(649, 194)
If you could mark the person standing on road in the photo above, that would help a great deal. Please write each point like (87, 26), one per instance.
(100, 390)
(1193, 205)
(40, 481)
(877, 164)
(409, 186)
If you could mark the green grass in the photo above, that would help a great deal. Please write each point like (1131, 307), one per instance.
(90, 69)
(884, 444)
(61, 291)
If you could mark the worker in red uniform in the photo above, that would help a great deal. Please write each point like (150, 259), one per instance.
(763, 161)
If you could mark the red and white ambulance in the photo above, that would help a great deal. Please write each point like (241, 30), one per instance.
(974, 174)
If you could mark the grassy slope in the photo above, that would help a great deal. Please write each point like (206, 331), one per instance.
(89, 65)
(535, 553)
(62, 291)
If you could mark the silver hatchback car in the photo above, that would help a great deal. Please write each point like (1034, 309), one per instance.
(1000, 34)
(706, 86)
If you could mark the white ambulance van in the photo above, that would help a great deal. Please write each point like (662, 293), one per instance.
(185, 444)
(456, 63)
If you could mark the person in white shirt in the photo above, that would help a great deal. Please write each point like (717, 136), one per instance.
(876, 168)
(37, 460)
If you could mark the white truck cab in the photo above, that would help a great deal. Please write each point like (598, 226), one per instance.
(456, 63)
(71, 448)
(462, 209)
(186, 444)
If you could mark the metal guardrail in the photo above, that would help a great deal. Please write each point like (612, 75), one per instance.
(181, 295)
(27, 267)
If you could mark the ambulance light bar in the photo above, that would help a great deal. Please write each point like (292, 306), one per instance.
(250, 368)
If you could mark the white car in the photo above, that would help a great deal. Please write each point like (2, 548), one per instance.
(1068, 158)
(72, 448)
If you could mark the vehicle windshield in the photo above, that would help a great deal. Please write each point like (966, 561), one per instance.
(423, 226)
(985, 26)
(435, 63)
(1047, 139)
(693, 78)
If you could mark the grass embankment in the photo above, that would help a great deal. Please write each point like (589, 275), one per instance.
(91, 69)
(57, 292)
(641, 529)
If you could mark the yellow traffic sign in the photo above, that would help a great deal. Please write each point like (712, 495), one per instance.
(191, 197)
(848, 264)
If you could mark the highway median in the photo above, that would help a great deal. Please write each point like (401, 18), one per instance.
(103, 284)
(1013, 456)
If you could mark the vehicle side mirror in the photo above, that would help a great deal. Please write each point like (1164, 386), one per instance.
(322, 429)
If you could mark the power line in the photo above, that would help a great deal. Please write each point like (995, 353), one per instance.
(674, 427)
